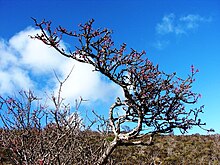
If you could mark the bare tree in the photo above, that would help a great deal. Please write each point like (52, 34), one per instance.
(18, 119)
(154, 101)
(34, 133)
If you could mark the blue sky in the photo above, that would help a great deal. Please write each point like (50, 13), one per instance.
(175, 34)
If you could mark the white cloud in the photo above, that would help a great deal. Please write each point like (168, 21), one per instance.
(12, 77)
(172, 24)
(86, 83)
(167, 25)
(33, 54)
(28, 64)
(192, 21)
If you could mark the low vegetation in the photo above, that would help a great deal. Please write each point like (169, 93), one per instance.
(166, 150)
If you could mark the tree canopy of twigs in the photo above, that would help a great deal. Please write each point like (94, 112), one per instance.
(154, 102)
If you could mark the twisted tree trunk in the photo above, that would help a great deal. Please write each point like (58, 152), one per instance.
(104, 158)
